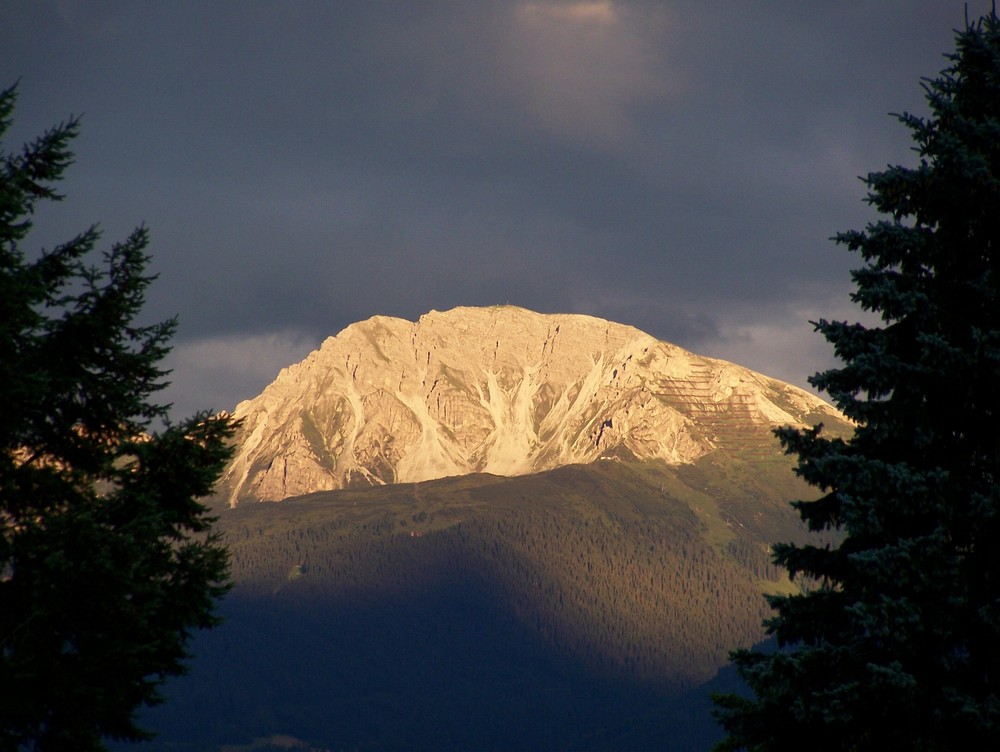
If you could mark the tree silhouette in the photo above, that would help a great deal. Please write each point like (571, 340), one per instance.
(107, 559)
(899, 645)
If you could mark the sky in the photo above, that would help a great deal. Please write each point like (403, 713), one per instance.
(677, 166)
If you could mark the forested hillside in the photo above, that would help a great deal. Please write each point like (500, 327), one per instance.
(582, 602)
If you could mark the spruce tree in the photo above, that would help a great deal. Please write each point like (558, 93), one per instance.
(107, 559)
(897, 644)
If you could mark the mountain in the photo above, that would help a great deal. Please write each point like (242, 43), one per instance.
(497, 390)
(498, 530)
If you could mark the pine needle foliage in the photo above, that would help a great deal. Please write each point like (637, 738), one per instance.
(899, 646)
(107, 559)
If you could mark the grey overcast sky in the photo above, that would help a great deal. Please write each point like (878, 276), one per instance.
(676, 166)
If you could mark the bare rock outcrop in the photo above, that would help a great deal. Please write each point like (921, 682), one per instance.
(498, 390)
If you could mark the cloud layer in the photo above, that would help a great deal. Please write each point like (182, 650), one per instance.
(675, 166)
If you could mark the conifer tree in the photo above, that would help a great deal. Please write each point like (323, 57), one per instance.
(107, 560)
(898, 645)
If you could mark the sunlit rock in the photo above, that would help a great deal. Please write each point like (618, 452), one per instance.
(498, 390)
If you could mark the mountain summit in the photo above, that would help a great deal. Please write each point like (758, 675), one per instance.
(498, 390)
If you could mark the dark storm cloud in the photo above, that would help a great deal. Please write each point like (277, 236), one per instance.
(678, 166)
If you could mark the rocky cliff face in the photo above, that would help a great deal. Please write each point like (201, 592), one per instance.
(497, 390)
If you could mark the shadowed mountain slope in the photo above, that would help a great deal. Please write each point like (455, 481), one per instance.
(558, 610)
